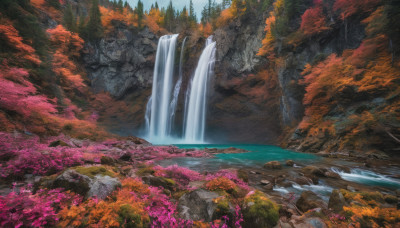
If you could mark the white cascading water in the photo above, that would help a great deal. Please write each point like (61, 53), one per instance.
(159, 115)
(174, 102)
(196, 111)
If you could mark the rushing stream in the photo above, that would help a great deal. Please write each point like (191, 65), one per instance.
(260, 154)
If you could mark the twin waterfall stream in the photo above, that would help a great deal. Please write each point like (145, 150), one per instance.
(162, 105)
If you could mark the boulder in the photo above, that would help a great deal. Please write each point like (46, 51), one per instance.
(333, 175)
(290, 163)
(336, 201)
(105, 160)
(309, 200)
(59, 143)
(303, 181)
(198, 205)
(166, 183)
(97, 184)
(312, 170)
(101, 186)
(273, 165)
(313, 222)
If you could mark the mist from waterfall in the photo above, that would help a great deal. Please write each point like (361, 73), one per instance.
(197, 105)
(159, 129)
(162, 105)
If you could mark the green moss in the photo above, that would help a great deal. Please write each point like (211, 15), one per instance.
(391, 199)
(223, 208)
(260, 211)
(145, 171)
(128, 216)
(170, 181)
(92, 171)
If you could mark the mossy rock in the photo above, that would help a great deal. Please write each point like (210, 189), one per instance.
(160, 182)
(105, 160)
(145, 171)
(390, 199)
(259, 211)
(74, 181)
(44, 182)
(224, 208)
(59, 143)
(92, 171)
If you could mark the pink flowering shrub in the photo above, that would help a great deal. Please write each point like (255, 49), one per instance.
(231, 175)
(181, 175)
(24, 209)
(29, 156)
(164, 212)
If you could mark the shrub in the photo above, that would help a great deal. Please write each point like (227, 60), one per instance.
(221, 183)
(259, 211)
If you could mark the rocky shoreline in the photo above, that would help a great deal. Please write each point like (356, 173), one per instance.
(249, 196)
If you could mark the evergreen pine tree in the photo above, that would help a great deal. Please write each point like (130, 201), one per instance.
(69, 19)
(94, 26)
(192, 14)
(120, 5)
(139, 12)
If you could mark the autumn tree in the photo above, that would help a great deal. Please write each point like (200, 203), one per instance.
(94, 26)
(313, 20)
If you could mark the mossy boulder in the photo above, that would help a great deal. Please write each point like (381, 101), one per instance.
(145, 171)
(224, 208)
(259, 211)
(273, 165)
(58, 143)
(92, 171)
(337, 201)
(166, 183)
(90, 181)
(309, 200)
(105, 160)
(312, 170)
(289, 163)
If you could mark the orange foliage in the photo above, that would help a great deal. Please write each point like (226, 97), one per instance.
(154, 21)
(11, 36)
(268, 42)
(206, 29)
(367, 70)
(313, 21)
(51, 11)
(122, 208)
(67, 44)
(350, 7)
(108, 15)
(221, 183)
(229, 14)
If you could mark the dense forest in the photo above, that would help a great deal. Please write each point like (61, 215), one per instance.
(320, 77)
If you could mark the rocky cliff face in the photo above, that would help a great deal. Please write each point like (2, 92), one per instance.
(122, 61)
(244, 105)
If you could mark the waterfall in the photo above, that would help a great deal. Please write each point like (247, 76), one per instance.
(174, 102)
(159, 106)
(196, 111)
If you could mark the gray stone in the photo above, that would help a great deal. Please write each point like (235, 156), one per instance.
(101, 186)
(198, 205)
